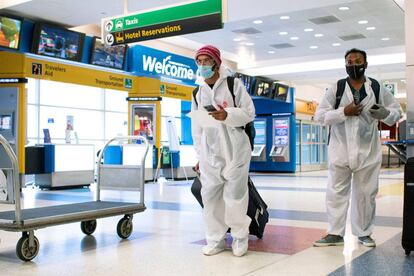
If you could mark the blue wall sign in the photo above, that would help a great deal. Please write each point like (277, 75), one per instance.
(146, 61)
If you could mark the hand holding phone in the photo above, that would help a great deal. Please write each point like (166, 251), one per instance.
(375, 107)
(210, 108)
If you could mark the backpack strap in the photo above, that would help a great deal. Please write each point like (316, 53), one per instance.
(195, 91)
(340, 88)
(376, 88)
(230, 84)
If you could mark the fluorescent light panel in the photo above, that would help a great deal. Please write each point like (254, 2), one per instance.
(10, 3)
(322, 65)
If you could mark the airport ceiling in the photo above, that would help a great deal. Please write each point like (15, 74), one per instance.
(265, 48)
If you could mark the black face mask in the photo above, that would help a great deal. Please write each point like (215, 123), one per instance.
(355, 71)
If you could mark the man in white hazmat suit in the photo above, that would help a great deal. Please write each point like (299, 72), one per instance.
(354, 150)
(224, 154)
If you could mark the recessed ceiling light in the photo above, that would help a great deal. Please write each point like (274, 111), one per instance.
(318, 35)
(283, 33)
(237, 39)
(362, 22)
(385, 38)
(313, 47)
(370, 28)
(308, 30)
(249, 44)
(258, 21)
(285, 17)
(344, 8)
(294, 38)
(336, 44)
(271, 52)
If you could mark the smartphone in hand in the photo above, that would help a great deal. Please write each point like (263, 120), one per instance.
(375, 107)
(210, 108)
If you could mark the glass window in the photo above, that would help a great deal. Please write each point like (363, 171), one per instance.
(171, 107)
(31, 90)
(87, 123)
(306, 133)
(297, 131)
(306, 154)
(316, 133)
(70, 95)
(115, 124)
(315, 154)
(32, 126)
(297, 154)
(115, 100)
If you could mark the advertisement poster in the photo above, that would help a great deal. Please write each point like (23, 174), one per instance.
(281, 131)
(143, 122)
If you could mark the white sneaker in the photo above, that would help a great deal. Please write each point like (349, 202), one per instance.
(213, 248)
(240, 246)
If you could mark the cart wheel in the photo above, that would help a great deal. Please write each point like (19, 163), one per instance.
(88, 227)
(124, 228)
(407, 252)
(24, 251)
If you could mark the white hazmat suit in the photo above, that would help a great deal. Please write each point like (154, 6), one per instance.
(224, 156)
(354, 158)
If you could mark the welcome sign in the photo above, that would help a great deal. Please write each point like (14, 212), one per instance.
(146, 61)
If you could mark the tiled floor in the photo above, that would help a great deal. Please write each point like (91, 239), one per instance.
(168, 236)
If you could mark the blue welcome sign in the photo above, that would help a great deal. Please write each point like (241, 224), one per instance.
(145, 61)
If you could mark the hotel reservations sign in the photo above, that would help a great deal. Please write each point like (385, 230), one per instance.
(177, 20)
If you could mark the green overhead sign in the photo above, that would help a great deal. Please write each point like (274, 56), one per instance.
(184, 19)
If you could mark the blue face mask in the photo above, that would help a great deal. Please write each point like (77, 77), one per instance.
(206, 71)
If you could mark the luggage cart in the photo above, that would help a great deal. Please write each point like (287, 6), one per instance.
(28, 220)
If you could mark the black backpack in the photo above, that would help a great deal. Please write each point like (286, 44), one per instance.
(340, 92)
(249, 127)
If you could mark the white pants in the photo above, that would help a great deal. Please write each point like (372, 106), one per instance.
(225, 199)
(364, 184)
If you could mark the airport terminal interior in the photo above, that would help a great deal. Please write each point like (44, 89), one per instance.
(97, 158)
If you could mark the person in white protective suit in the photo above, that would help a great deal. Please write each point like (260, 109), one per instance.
(354, 150)
(224, 154)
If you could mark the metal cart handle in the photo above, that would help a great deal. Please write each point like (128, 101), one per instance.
(16, 182)
(122, 138)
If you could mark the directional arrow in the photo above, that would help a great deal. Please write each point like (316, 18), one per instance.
(109, 39)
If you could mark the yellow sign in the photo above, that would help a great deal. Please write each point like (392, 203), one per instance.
(19, 65)
(305, 107)
(176, 91)
(150, 87)
(47, 70)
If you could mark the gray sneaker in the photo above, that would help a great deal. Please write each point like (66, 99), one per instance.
(329, 240)
(367, 241)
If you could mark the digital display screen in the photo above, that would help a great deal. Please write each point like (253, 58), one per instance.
(10, 32)
(263, 88)
(281, 131)
(57, 42)
(108, 56)
(260, 127)
(6, 122)
(281, 92)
